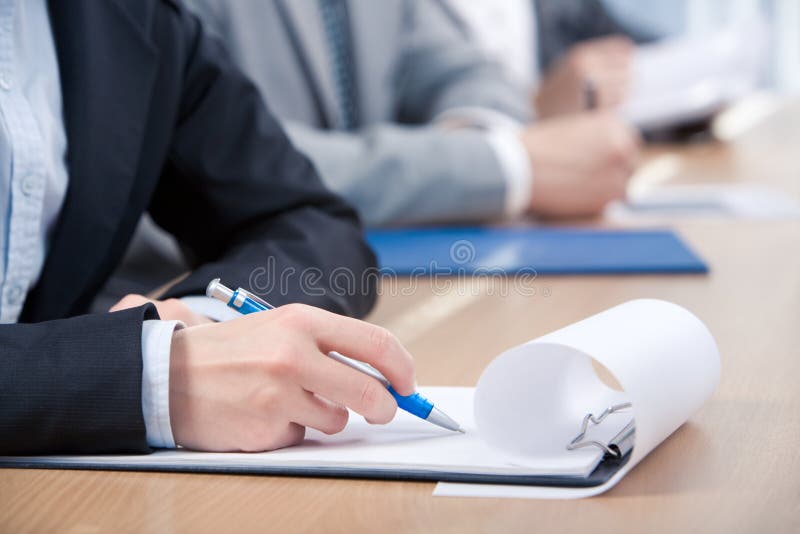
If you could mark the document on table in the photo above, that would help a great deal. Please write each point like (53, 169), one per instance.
(526, 410)
(407, 444)
(734, 201)
(663, 357)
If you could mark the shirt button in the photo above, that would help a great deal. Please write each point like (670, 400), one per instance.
(14, 295)
(5, 82)
(29, 184)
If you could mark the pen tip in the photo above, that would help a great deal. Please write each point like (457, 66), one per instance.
(459, 429)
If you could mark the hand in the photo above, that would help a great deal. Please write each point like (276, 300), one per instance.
(604, 63)
(254, 383)
(580, 163)
(168, 310)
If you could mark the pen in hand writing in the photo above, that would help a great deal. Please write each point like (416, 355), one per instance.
(245, 302)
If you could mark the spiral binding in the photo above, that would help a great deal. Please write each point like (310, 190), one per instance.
(618, 446)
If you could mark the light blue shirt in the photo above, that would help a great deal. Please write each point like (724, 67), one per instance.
(33, 147)
(33, 184)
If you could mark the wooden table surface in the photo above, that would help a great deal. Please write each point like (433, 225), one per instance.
(734, 467)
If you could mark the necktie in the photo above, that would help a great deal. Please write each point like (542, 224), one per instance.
(336, 21)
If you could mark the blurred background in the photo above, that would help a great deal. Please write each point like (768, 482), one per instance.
(782, 73)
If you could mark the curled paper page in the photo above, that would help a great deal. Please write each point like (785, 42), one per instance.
(531, 399)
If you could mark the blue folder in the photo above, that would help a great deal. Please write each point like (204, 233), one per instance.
(466, 250)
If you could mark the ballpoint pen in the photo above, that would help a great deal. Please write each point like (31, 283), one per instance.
(245, 302)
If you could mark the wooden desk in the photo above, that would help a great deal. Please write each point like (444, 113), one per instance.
(734, 467)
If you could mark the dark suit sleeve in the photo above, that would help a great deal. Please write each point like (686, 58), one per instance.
(73, 385)
(250, 207)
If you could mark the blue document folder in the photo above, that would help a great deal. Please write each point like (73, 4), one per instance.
(467, 250)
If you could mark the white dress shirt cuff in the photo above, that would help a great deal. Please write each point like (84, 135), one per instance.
(214, 309)
(156, 344)
(516, 168)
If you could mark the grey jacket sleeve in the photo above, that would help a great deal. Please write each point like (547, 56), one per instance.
(439, 69)
(408, 174)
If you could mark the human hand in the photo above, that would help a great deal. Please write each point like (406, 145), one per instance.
(580, 163)
(603, 63)
(168, 310)
(255, 383)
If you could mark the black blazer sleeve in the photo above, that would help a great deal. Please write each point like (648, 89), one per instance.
(73, 385)
(258, 215)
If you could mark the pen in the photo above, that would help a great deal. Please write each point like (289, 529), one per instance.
(245, 302)
(589, 94)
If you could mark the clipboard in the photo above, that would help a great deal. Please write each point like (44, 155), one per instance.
(540, 416)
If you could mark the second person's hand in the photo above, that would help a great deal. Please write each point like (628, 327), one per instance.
(580, 163)
(604, 63)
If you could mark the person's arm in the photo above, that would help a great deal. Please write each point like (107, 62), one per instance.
(73, 385)
(398, 174)
(438, 70)
(246, 203)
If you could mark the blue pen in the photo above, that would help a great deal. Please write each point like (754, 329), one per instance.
(245, 302)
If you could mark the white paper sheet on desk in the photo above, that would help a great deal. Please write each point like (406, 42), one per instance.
(734, 201)
(690, 77)
(405, 443)
(663, 357)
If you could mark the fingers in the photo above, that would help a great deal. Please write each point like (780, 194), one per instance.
(606, 63)
(168, 310)
(611, 45)
(129, 301)
(292, 435)
(174, 309)
(343, 385)
(315, 412)
(359, 340)
(611, 87)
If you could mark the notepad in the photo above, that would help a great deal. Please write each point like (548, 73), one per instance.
(468, 251)
(408, 447)
(535, 418)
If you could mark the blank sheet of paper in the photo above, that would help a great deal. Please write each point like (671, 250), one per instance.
(407, 443)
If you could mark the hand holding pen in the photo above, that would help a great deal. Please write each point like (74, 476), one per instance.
(255, 383)
(246, 303)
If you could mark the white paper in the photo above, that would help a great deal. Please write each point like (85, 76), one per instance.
(407, 443)
(663, 357)
(737, 201)
(690, 77)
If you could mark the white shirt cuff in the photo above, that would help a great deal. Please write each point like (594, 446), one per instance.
(214, 309)
(516, 167)
(156, 344)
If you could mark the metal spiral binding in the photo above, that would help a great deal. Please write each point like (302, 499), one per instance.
(616, 447)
